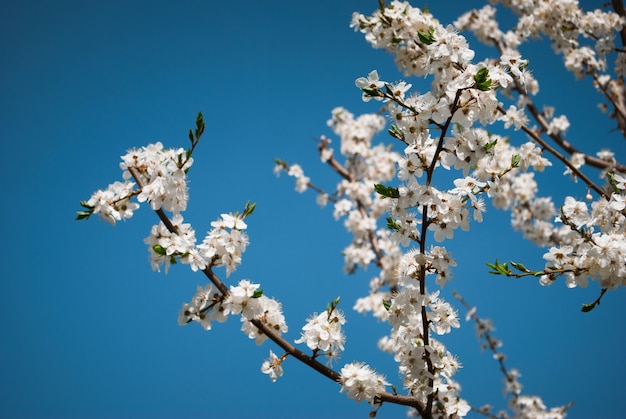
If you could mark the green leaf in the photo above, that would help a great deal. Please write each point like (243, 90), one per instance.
(483, 82)
(586, 308)
(493, 267)
(396, 133)
(490, 145)
(191, 138)
(372, 92)
(199, 125)
(499, 268)
(386, 191)
(484, 86)
(503, 268)
(520, 267)
(257, 293)
(388, 90)
(332, 305)
(427, 38)
(83, 215)
(481, 75)
(159, 250)
(613, 182)
(387, 304)
(515, 160)
(392, 224)
(249, 209)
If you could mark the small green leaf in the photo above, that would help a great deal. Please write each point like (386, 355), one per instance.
(483, 82)
(613, 182)
(249, 209)
(427, 38)
(330, 307)
(481, 75)
(492, 267)
(484, 86)
(386, 191)
(83, 215)
(159, 250)
(586, 308)
(490, 145)
(387, 304)
(520, 267)
(396, 133)
(503, 268)
(199, 125)
(388, 90)
(191, 138)
(257, 293)
(499, 268)
(392, 224)
(515, 159)
(372, 92)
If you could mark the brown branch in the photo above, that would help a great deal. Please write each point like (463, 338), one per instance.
(274, 336)
(569, 148)
(557, 138)
(345, 173)
(532, 134)
(618, 6)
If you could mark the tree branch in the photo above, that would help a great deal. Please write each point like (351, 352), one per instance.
(556, 153)
(278, 339)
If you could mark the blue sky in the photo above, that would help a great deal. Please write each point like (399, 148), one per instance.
(90, 331)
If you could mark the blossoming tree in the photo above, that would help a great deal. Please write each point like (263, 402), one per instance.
(479, 125)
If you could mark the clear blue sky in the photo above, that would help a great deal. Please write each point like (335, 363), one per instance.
(88, 330)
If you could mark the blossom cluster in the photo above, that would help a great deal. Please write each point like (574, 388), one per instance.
(323, 333)
(163, 175)
(203, 308)
(592, 245)
(245, 299)
(248, 300)
(584, 244)
(223, 245)
(361, 382)
(583, 38)
(354, 198)
(113, 203)
(414, 348)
